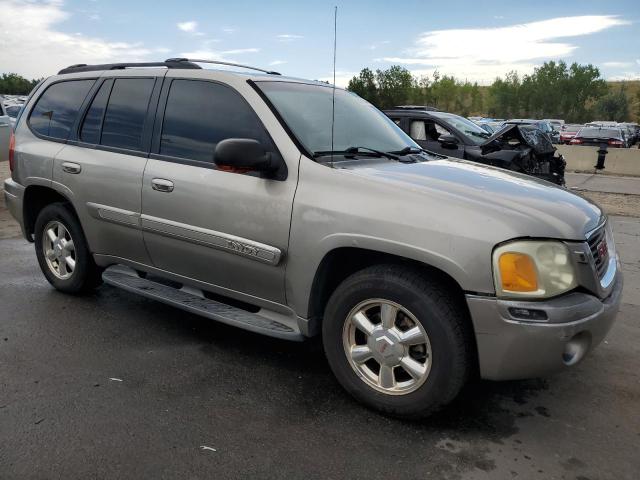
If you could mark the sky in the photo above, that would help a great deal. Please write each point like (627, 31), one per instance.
(471, 39)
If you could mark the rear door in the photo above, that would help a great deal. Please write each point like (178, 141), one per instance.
(227, 229)
(103, 163)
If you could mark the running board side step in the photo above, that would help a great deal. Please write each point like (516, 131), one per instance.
(198, 305)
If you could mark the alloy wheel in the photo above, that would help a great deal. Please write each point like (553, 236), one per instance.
(387, 346)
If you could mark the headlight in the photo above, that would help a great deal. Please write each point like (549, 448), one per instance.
(533, 269)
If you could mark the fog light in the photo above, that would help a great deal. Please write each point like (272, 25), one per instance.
(529, 314)
(576, 348)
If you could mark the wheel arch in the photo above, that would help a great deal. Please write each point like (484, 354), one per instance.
(341, 262)
(37, 197)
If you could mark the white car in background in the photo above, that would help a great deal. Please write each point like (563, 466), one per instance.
(5, 129)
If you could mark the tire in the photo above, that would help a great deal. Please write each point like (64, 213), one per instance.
(78, 275)
(423, 303)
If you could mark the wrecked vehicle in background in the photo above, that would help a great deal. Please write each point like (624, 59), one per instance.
(526, 149)
(518, 147)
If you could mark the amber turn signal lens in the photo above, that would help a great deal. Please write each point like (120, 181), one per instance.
(517, 272)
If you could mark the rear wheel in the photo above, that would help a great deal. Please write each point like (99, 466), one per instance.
(62, 251)
(397, 341)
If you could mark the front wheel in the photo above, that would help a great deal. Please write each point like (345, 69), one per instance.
(62, 251)
(397, 341)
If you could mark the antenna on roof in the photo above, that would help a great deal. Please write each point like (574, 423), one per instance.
(333, 95)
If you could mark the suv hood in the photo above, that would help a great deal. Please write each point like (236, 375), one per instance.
(516, 205)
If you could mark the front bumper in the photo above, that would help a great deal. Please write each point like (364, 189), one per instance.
(510, 348)
(13, 195)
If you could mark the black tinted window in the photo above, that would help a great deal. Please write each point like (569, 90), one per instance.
(126, 112)
(200, 114)
(90, 131)
(57, 108)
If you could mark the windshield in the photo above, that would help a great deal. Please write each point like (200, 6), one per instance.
(599, 133)
(475, 133)
(307, 111)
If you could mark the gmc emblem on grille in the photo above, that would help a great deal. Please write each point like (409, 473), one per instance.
(602, 249)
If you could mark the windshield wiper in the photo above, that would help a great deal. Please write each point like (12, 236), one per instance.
(352, 151)
(408, 150)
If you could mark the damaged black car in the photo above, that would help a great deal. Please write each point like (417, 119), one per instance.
(521, 148)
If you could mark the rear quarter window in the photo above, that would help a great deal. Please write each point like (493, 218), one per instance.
(56, 110)
(126, 112)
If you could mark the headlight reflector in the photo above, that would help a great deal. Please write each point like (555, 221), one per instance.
(533, 268)
(518, 272)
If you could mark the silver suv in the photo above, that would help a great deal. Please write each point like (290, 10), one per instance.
(290, 209)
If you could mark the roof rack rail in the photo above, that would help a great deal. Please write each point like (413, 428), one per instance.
(171, 63)
(218, 62)
(425, 108)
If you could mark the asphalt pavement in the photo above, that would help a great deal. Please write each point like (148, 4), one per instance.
(111, 385)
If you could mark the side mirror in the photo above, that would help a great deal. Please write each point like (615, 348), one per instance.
(242, 154)
(448, 141)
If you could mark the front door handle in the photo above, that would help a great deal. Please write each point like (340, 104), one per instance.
(162, 185)
(71, 167)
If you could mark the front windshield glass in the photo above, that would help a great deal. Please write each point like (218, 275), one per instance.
(307, 111)
(475, 133)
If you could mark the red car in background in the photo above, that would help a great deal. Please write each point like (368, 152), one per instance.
(568, 131)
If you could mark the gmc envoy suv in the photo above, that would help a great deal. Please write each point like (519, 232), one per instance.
(293, 209)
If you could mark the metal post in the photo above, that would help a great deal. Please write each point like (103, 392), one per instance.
(602, 153)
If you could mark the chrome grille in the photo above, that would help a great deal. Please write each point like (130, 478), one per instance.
(599, 250)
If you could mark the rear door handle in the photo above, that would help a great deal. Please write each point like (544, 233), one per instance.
(71, 167)
(162, 185)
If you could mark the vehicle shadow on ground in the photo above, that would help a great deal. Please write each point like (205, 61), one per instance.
(483, 407)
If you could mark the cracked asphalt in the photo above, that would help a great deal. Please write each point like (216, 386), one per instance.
(111, 385)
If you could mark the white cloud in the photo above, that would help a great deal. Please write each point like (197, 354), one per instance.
(222, 56)
(617, 64)
(288, 37)
(376, 45)
(240, 51)
(342, 78)
(189, 27)
(482, 53)
(277, 62)
(229, 30)
(32, 45)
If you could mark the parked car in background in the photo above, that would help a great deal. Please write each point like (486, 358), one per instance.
(292, 209)
(556, 123)
(456, 136)
(630, 133)
(568, 131)
(612, 137)
(12, 112)
(5, 133)
(543, 125)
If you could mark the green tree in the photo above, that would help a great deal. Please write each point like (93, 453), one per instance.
(364, 85)
(613, 106)
(394, 86)
(14, 84)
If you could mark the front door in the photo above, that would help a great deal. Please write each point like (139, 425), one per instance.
(224, 228)
(426, 134)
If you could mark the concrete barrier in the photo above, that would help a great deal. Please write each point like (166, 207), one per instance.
(619, 161)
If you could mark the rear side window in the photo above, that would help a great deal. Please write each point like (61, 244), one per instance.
(126, 112)
(57, 108)
(200, 114)
(90, 131)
